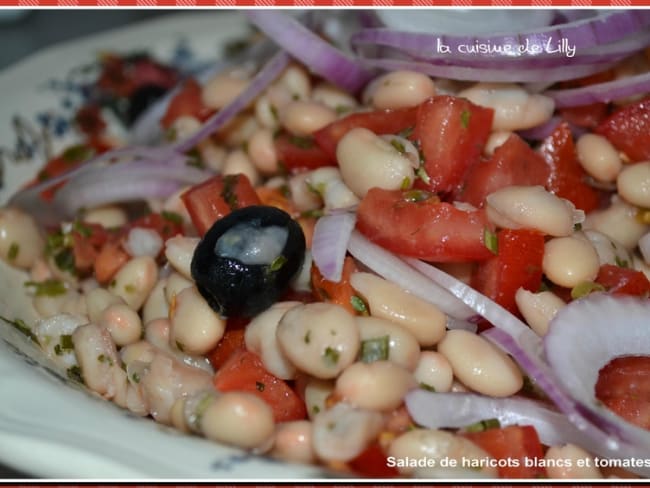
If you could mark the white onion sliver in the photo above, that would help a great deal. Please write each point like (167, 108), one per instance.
(586, 335)
(330, 243)
(394, 269)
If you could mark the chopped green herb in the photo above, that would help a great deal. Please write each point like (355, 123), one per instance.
(376, 349)
(577, 227)
(76, 154)
(315, 409)
(483, 425)
(135, 377)
(307, 337)
(359, 305)
(398, 145)
(259, 386)
(171, 134)
(585, 288)
(331, 356)
(64, 260)
(14, 249)
(406, 183)
(465, 117)
(427, 387)
(621, 263)
(180, 346)
(172, 217)
(643, 215)
(48, 288)
(301, 142)
(65, 344)
(491, 241)
(341, 109)
(423, 175)
(274, 112)
(228, 192)
(82, 228)
(74, 373)
(544, 286)
(415, 196)
(105, 359)
(22, 327)
(201, 406)
(235, 47)
(316, 213)
(130, 288)
(277, 263)
(406, 133)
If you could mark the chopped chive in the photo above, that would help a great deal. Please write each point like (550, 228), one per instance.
(49, 288)
(427, 387)
(23, 328)
(398, 145)
(643, 215)
(74, 373)
(78, 153)
(307, 337)
(577, 227)
(82, 228)
(415, 196)
(406, 133)
(585, 288)
(301, 142)
(331, 356)
(621, 263)
(406, 183)
(171, 216)
(359, 305)
(491, 241)
(277, 263)
(14, 249)
(376, 349)
(465, 117)
(483, 425)
(423, 175)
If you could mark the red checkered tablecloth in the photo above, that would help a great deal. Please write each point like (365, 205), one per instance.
(323, 3)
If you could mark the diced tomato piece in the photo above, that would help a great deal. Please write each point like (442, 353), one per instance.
(231, 342)
(187, 101)
(379, 121)
(628, 129)
(415, 223)
(623, 385)
(567, 179)
(623, 281)
(110, 258)
(87, 239)
(587, 116)
(166, 225)
(301, 153)
(337, 292)
(452, 133)
(244, 371)
(89, 120)
(274, 197)
(513, 163)
(215, 198)
(514, 443)
(518, 264)
(373, 463)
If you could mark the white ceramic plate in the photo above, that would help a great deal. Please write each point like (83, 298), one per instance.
(49, 426)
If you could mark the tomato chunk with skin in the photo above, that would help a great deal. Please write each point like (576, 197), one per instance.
(518, 264)
(623, 385)
(567, 179)
(514, 445)
(301, 153)
(452, 133)
(587, 116)
(378, 121)
(244, 371)
(337, 292)
(373, 463)
(623, 281)
(417, 224)
(217, 197)
(187, 102)
(628, 129)
(512, 163)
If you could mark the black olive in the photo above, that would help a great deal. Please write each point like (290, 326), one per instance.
(234, 288)
(141, 99)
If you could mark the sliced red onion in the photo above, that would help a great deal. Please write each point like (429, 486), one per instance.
(260, 82)
(543, 131)
(330, 243)
(586, 335)
(644, 247)
(394, 269)
(322, 58)
(457, 410)
(601, 92)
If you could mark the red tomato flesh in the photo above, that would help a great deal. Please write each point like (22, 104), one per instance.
(417, 224)
(623, 281)
(628, 129)
(373, 463)
(188, 102)
(244, 371)
(301, 153)
(452, 133)
(215, 198)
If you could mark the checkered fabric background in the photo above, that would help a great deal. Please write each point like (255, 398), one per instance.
(323, 3)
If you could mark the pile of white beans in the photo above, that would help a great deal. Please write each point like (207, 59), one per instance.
(125, 336)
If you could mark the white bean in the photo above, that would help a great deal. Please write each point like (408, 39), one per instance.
(434, 372)
(403, 347)
(196, 328)
(222, 89)
(97, 300)
(380, 385)
(598, 157)
(399, 89)
(317, 392)
(212, 155)
(293, 442)
(532, 207)
(387, 300)
(304, 118)
(158, 331)
(296, 81)
(175, 205)
(179, 251)
(238, 131)
(261, 150)
(143, 242)
(495, 140)
(156, 305)
(108, 216)
(633, 184)
(538, 308)
(480, 365)
(135, 280)
(618, 221)
(609, 251)
(569, 261)
(302, 196)
(48, 305)
(570, 462)
(238, 162)
(239, 419)
(21, 242)
(54, 333)
(333, 97)
(514, 108)
(343, 432)
(367, 161)
(260, 338)
(319, 338)
(184, 126)
(436, 446)
(327, 183)
(122, 322)
(266, 113)
(142, 351)
(175, 284)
